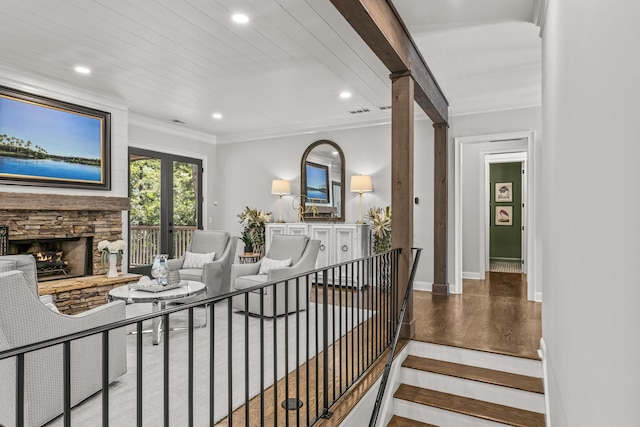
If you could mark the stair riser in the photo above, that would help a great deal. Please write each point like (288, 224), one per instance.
(498, 362)
(474, 389)
(439, 417)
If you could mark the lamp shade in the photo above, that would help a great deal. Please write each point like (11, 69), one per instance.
(280, 186)
(361, 183)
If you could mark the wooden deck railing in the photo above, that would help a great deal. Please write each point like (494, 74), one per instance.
(145, 242)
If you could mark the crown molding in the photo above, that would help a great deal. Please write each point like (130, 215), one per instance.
(339, 124)
(172, 129)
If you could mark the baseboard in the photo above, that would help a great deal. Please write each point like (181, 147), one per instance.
(472, 275)
(501, 259)
(542, 352)
(422, 286)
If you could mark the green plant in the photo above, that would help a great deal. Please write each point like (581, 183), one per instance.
(246, 238)
(380, 220)
(253, 222)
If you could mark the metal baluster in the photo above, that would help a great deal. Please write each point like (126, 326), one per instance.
(191, 368)
(261, 357)
(20, 389)
(139, 374)
(286, 352)
(230, 361)
(165, 333)
(246, 358)
(212, 360)
(275, 357)
(66, 361)
(105, 379)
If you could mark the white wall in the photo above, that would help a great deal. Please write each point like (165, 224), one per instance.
(591, 228)
(245, 171)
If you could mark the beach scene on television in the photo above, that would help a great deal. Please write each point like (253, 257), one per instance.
(41, 142)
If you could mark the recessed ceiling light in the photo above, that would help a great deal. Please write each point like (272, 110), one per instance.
(335, 153)
(82, 69)
(240, 18)
(345, 95)
(216, 116)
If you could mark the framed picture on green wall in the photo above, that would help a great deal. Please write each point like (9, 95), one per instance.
(504, 192)
(504, 215)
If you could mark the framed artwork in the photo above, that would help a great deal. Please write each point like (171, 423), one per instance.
(317, 190)
(53, 143)
(504, 215)
(504, 192)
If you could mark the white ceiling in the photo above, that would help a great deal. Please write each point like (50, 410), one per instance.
(282, 72)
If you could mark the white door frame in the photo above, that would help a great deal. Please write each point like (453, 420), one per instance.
(489, 158)
(532, 284)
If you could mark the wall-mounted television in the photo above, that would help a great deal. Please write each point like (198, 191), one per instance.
(47, 142)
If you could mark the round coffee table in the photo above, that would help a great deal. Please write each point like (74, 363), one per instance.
(158, 300)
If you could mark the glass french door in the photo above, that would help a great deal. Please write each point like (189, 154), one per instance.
(165, 192)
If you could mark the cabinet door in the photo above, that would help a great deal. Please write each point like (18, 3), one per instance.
(345, 243)
(325, 235)
(298, 229)
(270, 230)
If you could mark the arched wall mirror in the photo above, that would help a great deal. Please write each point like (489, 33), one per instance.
(322, 182)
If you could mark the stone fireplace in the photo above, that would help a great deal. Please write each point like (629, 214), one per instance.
(57, 223)
(60, 258)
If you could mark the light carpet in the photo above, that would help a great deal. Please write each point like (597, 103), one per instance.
(122, 394)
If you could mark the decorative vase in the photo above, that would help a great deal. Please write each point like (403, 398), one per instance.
(113, 261)
(248, 249)
(160, 269)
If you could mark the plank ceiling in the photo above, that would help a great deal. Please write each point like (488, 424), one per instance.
(281, 73)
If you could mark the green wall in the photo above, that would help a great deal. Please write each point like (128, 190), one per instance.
(505, 241)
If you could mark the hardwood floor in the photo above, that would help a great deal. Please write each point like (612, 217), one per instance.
(491, 315)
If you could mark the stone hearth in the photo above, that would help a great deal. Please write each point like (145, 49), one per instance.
(54, 216)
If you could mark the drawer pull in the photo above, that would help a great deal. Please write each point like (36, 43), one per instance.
(322, 247)
(345, 248)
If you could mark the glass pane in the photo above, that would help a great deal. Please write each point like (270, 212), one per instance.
(144, 218)
(185, 206)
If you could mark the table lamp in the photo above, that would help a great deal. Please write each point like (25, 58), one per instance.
(281, 187)
(360, 184)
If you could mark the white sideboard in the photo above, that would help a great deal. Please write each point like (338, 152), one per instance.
(338, 242)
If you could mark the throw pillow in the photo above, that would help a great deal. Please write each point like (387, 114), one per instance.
(51, 306)
(269, 264)
(194, 260)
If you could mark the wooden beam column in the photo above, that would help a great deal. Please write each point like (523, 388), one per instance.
(440, 212)
(402, 90)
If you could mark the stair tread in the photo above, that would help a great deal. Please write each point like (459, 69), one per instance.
(398, 421)
(473, 407)
(490, 376)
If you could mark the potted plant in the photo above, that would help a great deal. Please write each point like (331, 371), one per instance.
(380, 220)
(253, 224)
(248, 243)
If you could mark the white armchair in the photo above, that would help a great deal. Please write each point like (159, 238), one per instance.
(301, 251)
(25, 320)
(215, 273)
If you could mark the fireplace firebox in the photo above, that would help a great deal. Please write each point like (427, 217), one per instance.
(58, 258)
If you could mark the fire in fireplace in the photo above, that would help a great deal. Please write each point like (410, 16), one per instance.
(57, 258)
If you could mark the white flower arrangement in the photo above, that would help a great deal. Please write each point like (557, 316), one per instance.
(106, 247)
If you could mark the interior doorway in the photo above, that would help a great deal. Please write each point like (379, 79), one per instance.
(166, 205)
(505, 200)
(472, 198)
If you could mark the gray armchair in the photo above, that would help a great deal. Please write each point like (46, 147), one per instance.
(302, 252)
(25, 320)
(215, 274)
